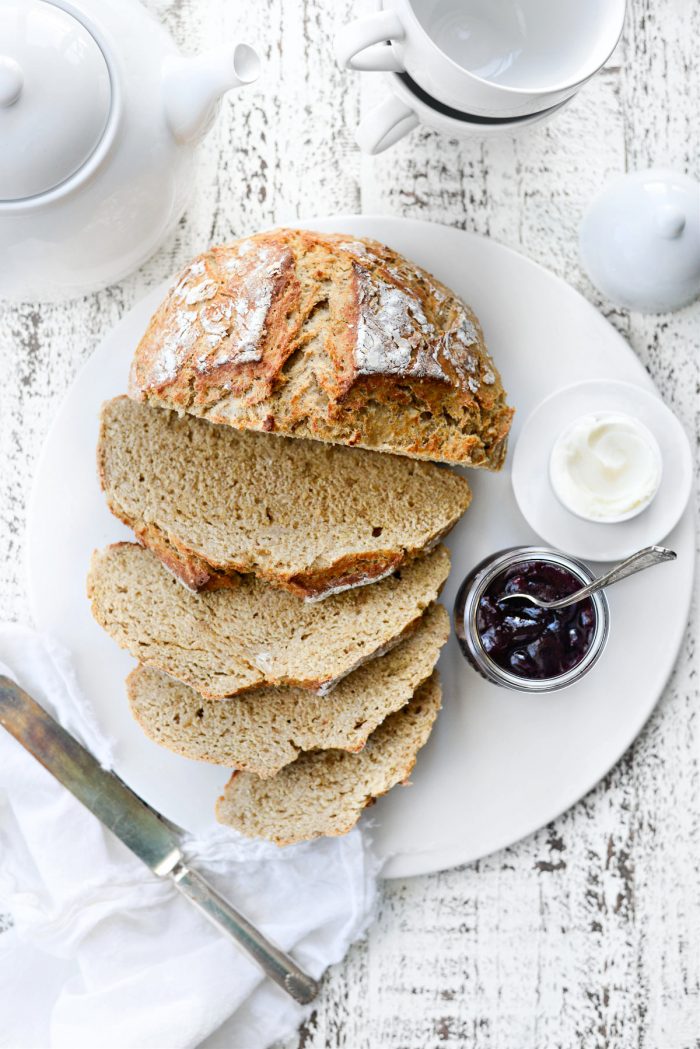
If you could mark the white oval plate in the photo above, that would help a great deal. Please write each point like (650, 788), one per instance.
(499, 764)
(561, 528)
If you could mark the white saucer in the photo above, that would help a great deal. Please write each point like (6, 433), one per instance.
(559, 527)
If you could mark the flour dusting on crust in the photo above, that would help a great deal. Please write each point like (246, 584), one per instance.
(178, 339)
(253, 284)
(361, 580)
(227, 331)
(394, 336)
(355, 247)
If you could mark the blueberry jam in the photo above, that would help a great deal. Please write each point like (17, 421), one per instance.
(529, 641)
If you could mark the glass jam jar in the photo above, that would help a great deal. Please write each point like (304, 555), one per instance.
(515, 645)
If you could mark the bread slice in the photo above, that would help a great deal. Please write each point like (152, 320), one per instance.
(312, 518)
(324, 792)
(227, 641)
(264, 730)
(326, 336)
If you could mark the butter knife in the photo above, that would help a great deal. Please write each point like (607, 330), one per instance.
(154, 840)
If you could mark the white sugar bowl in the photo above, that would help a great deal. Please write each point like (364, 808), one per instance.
(640, 240)
(99, 120)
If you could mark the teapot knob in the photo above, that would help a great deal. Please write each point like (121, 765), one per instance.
(670, 221)
(640, 240)
(11, 81)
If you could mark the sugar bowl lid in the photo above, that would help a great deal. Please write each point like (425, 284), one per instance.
(640, 240)
(55, 97)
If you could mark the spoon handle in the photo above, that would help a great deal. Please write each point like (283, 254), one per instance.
(650, 555)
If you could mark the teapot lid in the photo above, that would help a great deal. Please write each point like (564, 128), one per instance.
(55, 96)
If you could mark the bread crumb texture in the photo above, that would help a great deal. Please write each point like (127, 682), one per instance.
(227, 641)
(266, 729)
(325, 792)
(312, 518)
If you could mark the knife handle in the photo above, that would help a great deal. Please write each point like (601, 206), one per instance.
(274, 962)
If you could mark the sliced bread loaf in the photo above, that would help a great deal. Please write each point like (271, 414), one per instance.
(324, 792)
(312, 518)
(326, 336)
(227, 641)
(264, 730)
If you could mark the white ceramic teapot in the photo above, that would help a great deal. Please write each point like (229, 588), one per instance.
(99, 119)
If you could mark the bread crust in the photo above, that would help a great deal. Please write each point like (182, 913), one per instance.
(322, 336)
(347, 573)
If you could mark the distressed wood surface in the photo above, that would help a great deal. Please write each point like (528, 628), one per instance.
(587, 933)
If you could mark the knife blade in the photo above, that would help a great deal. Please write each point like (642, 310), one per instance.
(142, 830)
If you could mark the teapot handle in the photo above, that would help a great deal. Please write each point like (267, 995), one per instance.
(365, 44)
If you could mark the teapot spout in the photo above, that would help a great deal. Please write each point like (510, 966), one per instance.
(193, 87)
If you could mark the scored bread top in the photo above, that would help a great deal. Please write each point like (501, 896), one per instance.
(329, 337)
(266, 729)
(312, 518)
(228, 641)
(324, 792)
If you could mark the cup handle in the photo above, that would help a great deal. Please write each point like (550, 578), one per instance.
(384, 125)
(364, 45)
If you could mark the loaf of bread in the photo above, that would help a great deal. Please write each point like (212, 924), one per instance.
(266, 729)
(224, 642)
(323, 336)
(324, 792)
(314, 519)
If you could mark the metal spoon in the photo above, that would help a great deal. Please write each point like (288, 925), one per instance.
(650, 555)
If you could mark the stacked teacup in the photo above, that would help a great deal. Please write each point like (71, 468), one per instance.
(476, 67)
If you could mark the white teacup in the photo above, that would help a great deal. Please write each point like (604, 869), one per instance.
(407, 106)
(491, 58)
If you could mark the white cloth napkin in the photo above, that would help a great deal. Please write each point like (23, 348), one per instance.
(104, 954)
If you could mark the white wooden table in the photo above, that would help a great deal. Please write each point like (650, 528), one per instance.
(588, 933)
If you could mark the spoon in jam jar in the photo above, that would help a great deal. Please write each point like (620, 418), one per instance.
(650, 555)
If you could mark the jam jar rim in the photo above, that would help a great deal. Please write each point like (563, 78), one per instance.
(469, 639)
